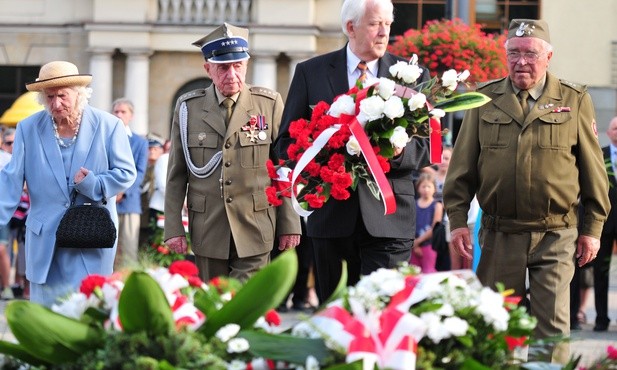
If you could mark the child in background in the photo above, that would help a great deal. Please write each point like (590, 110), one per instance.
(428, 212)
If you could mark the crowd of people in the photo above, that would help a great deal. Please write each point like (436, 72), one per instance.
(520, 166)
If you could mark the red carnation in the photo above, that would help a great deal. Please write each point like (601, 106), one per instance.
(184, 268)
(273, 318)
(90, 283)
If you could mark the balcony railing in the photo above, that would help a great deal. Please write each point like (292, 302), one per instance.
(204, 11)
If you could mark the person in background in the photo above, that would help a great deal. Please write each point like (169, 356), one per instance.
(529, 155)
(68, 148)
(129, 201)
(147, 223)
(602, 264)
(156, 205)
(17, 236)
(356, 229)
(429, 211)
(220, 142)
(6, 147)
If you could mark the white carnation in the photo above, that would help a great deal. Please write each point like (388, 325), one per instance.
(490, 306)
(457, 326)
(372, 107)
(449, 79)
(227, 332)
(399, 138)
(343, 105)
(394, 108)
(464, 75)
(411, 73)
(417, 101)
(237, 345)
(437, 113)
(386, 88)
(353, 146)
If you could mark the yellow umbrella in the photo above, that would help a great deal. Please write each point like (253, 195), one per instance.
(21, 108)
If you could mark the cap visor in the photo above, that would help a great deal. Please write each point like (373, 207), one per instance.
(229, 57)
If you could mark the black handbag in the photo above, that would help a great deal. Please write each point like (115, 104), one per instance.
(88, 225)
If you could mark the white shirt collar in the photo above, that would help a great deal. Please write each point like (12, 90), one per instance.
(128, 130)
(352, 67)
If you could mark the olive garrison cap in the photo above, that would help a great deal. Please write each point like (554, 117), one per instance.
(529, 28)
(226, 44)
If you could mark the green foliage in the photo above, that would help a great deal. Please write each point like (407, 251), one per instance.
(264, 291)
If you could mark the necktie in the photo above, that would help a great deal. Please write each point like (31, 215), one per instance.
(362, 67)
(524, 94)
(228, 103)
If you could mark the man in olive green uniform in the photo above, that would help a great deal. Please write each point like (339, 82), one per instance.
(221, 139)
(530, 171)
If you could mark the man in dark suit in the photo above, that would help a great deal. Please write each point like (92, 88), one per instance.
(602, 263)
(356, 229)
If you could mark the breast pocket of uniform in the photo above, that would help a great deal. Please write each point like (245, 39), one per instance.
(254, 148)
(553, 130)
(202, 146)
(495, 127)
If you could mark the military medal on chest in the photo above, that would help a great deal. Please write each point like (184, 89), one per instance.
(256, 128)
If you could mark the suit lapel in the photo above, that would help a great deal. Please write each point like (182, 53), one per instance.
(89, 125)
(212, 113)
(551, 97)
(507, 102)
(52, 152)
(337, 73)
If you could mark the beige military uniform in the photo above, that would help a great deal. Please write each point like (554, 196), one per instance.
(231, 202)
(529, 174)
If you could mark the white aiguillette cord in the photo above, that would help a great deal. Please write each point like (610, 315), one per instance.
(210, 167)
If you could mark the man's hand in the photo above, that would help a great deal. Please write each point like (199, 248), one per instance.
(586, 249)
(461, 241)
(288, 241)
(177, 244)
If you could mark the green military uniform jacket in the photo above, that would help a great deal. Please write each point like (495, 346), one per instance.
(529, 172)
(231, 201)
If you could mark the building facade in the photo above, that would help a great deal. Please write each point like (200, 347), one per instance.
(141, 49)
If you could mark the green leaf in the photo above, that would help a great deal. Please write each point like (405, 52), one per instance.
(464, 101)
(356, 365)
(285, 347)
(265, 290)
(17, 351)
(144, 307)
(49, 336)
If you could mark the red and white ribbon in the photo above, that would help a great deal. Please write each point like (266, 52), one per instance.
(391, 343)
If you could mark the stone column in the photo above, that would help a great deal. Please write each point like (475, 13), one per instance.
(264, 69)
(101, 68)
(294, 59)
(136, 84)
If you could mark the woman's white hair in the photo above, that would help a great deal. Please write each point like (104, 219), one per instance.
(353, 10)
(83, 95)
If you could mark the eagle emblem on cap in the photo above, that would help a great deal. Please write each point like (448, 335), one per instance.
(525, 29)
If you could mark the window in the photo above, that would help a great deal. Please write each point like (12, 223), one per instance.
(493, 15)
(13, 83)
(414, 13)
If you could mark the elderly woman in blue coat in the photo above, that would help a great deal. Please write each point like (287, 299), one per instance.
(69, 146)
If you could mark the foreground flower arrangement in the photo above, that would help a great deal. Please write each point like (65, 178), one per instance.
(166, 318)
(353, 138)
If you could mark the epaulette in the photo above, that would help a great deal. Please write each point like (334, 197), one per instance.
(263, 91)
(577, 87)
(481, 85)
(191, 94)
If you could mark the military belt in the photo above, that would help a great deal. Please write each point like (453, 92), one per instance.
(510, 225)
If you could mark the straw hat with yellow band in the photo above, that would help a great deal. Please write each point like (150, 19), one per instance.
(59, 74)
